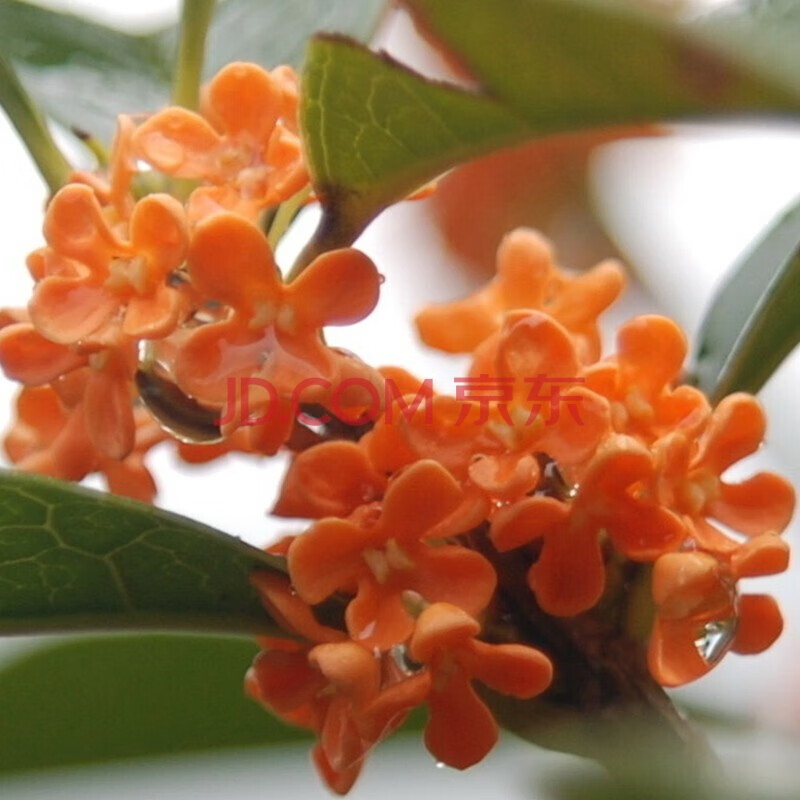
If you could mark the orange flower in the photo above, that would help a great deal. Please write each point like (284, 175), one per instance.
(273, 330)
(385, 549)
(699, 614)
(49, 438)
(336, 691)
(98, 378)
(246, 143)
(569, 575)
(107, 279)
(461, 729)
(527, 278)
(639, 379)
(329, 480)
(690, 477)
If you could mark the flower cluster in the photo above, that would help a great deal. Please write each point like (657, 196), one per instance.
(157, 287)
(143, 300)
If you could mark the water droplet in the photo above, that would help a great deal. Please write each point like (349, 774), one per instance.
(440, 765)
(715, 639)
(179, 415)
(381, 278)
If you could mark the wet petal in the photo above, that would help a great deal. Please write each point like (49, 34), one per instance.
(377, 618)
(26, 356)
(230, 261)
(672, 656)
(179, 143)
(441, 627)
(154, 316)
(67, 310)
(461, 729)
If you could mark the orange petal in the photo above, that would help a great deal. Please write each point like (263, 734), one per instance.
(525, 264)
(245, 99)
(211, 360)
(339, 287)
(327, 558)
(672, 656)
(389, 709)
(377, 618)
(289, 610)
(650, 352)
(67, 310)
(286, 680)
(456, 327)
(352, 669)
(761, 504)
(441, 626)
(684, 584)
(419, 497)
(231, 261)
(461, 729)
(523, 522)
(158, 230)
(536, 345)
(154, 316)
(764, 555)
(642, 532)
(339, 781)
(179, 143)
(130, 478)
(108, 413)
(508, 476)
(75, 226)
(331, 479)
(735, 430)
(26, 356)
(569, 576)
(760, 624)
(512, 669)
(455, 575)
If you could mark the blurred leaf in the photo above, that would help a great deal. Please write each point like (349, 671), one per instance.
(753, 323)
(375, 130)
(101, 698)
(75, 559)
(83, 73)
(542, 184)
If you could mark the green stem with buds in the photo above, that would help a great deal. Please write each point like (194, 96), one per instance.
(195, 19)
(32, 128)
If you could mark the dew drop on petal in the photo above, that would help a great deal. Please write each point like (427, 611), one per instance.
(716, 639)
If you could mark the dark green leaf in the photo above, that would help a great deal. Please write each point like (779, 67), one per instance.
(75, 559)
(83, 73)
(374, 131)
(753, 322)
(102, 698)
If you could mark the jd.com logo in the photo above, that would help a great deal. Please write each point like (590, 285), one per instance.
(484, 394)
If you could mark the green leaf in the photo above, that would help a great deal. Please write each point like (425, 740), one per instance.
(375, 130)
(752, 323)
(101, 698)
(75, 559)
(83, 73)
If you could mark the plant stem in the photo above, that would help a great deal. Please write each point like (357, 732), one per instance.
(285, 214)
(32, 128)
(195, 19)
